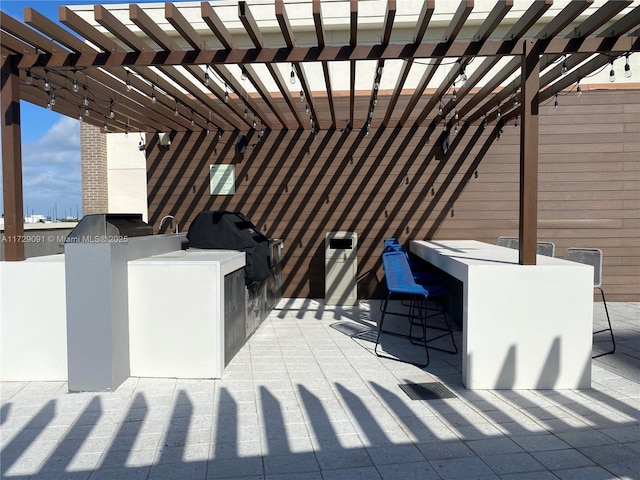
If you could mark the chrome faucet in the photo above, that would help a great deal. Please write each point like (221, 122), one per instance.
(175, 222)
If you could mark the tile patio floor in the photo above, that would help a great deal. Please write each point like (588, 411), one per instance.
(305, 399)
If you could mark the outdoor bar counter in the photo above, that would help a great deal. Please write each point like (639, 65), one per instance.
(523, 326)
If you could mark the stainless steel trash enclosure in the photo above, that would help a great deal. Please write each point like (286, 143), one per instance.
(341, 268)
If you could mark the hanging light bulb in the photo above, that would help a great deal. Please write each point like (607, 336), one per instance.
(47, 83)
(516, 122)
(484, 121)
(244, 73)
(128, 82)
(292, 80)
(612, 73)
(455, 129)
(219, 133)
(375, 99)
(176, 112)
(301, 96)
(368, 127)
(516, 102)
(555, 102)
(53, 98)
(444, 127)
(455, 115)
(454, 96)
(226, 94)
(246, 112)
(207, 78)
(498, 112)
(80, 114)
(74, 83)
(86, 111)
(105, 127)
(111, 113)
(440, 108)
(126, 130)
(376, 84)
(627, 67)
(154, 98)
(49, 106)
(565, 69)
(306, 109)
(578, 88)
(254, 121)
(380, 70)
(192, 120)
(85, 101)
(29, 78)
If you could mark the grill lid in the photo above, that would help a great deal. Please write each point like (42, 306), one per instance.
(105, 226)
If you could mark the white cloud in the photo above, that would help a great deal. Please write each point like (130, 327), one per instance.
(51, 170)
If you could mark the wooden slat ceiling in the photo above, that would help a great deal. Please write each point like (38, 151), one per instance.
(141, 74)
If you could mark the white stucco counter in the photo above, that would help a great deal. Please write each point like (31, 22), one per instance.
(523, 326)
(183, 308)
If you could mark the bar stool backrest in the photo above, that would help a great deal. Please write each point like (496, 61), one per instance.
(588, 256)
(397, 271)
(509, 242)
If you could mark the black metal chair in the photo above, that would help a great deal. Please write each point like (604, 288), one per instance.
(593, 257)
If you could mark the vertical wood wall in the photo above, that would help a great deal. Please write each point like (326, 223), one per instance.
(397, 182)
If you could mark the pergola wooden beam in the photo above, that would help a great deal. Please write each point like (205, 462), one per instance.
(213, 21)
(319, 27)
(183, 27)
(387, 26)
(11, 160)
(421, 27)
(29, 36)
(353, 42)
(138, 16)
(529, 128)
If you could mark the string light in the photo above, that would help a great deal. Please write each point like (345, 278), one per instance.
(85, 99)
(301, 96)
(244, 73)
(565, 69)
(455, 115)
(126, 130)
(192, 120)
(105, 127)
(219, 133)
(47, 83)
(254, 121)
(246, 112)
(484, 121)
(516, 122)
(29, 79)
(80, 114)
(306, 109)
(207, 78)
(74, 84)
(612, 73)
(53, 98)
(111, 113)
(226, 94)
(292, 80)
(128, 82)
(454, 96)
(368, 127)
(516, 102)
(455, 129)
(578, 88)
(86, 111)
(440, 107)
(49, 106)
(375, 99)
(627, 67)
(555, 102)
(498, 112)
(176, 112)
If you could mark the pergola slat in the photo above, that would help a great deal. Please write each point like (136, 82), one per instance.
(212, 20)
(53, 30)
(459, 18)
(87, 31)
(319, 27)
(421, 27)
(255, 80)
(183, 27)
(117, 29)
(27, 35)
(626, 23)
(353, 41)
(138, 16)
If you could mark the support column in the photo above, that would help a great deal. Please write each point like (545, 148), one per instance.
(529, 153)
(11, 159)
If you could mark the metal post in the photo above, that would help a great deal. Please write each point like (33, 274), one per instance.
(11, 159)
(529, 153)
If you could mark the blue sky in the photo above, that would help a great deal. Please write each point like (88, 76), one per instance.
(50, 141)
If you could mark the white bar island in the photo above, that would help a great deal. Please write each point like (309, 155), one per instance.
(523, 326)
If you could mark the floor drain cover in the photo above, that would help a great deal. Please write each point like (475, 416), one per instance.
(426, 391)
(349, 328)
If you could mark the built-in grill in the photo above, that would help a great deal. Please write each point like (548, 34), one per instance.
(233, 231)
(105, 227)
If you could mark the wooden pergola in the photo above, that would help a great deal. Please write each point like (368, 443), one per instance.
(138, 76)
